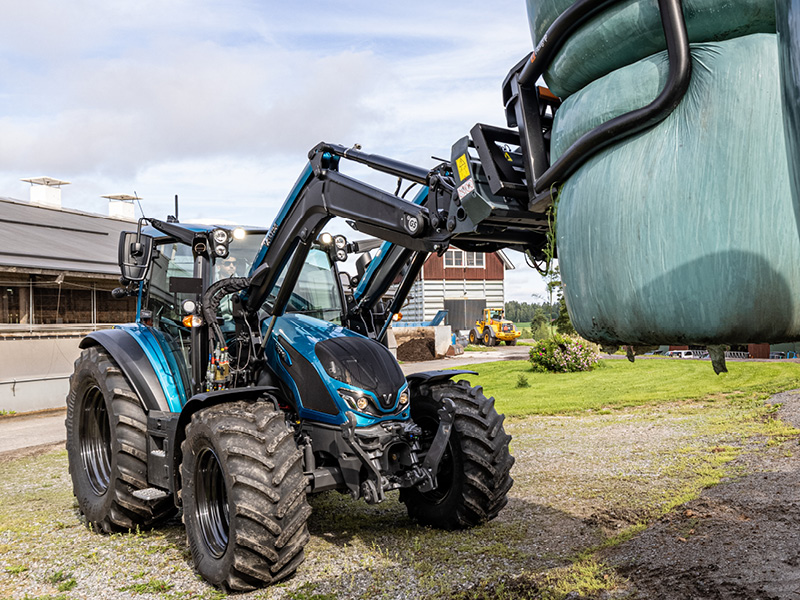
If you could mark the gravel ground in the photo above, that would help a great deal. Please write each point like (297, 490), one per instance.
(580, 481)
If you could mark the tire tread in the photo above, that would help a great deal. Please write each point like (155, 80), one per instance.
(268, 507)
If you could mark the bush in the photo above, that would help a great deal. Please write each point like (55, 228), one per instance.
(563, 354)
(522, 381)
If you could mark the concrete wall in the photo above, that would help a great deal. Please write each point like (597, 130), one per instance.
(442, 336)
(34, 372)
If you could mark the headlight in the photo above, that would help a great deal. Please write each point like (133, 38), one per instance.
(404, 398)
(239, 233)
(354, 400)
(192, 321)
(340, 242)
(221, 250)
(341, 255)
(220, 236)
(326, 239)
(189, 306)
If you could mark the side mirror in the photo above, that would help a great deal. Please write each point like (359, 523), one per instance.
(135, 252)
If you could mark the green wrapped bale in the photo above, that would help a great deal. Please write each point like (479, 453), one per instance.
(631, 30)
(788, 17)
(685, 233)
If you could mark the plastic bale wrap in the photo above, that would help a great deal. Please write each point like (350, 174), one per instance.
(788, 15)
(685, 233)
(631, 30)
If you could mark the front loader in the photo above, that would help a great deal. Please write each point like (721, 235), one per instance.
(235, 395)
(492, 328)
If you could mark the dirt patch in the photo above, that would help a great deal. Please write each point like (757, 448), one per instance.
(738, 540)
(29, 451)
(416, 350)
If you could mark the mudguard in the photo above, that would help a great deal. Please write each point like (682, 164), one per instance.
(133, 362)
(435, 376)
(206, 400)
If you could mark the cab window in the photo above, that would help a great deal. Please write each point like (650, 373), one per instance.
(315, 293)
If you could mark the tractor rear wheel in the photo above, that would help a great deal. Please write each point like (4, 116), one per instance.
(107, 447)
(474, 473)
(244, 497)
(473, 338)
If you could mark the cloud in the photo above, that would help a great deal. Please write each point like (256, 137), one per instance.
(220, 102)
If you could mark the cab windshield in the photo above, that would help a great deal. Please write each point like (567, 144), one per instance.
(241, 254)
(315, 293)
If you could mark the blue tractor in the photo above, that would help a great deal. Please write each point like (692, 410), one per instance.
(255, 374)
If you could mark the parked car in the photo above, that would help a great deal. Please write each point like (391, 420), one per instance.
(685, 353)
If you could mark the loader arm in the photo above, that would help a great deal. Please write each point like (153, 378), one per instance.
(322, 193)
(456, 205)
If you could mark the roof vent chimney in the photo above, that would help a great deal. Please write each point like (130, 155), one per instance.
(120, 206)
(46, 191)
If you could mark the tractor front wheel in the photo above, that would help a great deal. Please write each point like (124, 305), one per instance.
(474, 474)
(511, 343)
(473, 338)
(488, 340)
(244, 498)
(107, 447)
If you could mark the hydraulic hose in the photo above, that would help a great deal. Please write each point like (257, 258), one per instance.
(212, 298)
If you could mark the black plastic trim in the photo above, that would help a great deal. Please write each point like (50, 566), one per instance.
(435, 376)
(133, 362)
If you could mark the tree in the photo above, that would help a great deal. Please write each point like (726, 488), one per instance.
(555, 287)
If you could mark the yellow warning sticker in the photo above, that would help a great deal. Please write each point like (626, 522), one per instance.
(463, 167)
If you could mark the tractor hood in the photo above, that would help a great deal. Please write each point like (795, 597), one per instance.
(332, 371)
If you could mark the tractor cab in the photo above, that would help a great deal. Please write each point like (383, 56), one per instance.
(168, 266)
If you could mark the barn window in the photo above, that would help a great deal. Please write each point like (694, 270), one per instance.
(459, 258)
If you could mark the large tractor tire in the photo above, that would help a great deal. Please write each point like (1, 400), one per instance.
(511, 343)
(473, 337)
(107, 447)
(244, 500)
(488, 338)
(474, 473)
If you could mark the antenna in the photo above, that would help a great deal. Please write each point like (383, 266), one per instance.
(135, 195)
(174, 218)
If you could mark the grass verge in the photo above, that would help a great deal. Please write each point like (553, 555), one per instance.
(619, 383)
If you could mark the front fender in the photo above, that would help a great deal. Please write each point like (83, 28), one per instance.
(206, 400)
(134, 364)
(429, 377)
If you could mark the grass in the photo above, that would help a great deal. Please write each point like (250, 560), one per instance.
(153, 586)
(619, 383)
(16, 569)
(478, 348)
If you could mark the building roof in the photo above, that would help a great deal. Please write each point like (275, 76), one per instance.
(505, 260)
(40, 237)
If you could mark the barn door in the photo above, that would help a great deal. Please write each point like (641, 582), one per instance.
(462, 313)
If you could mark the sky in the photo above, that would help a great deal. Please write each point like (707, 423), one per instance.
(220, 102)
